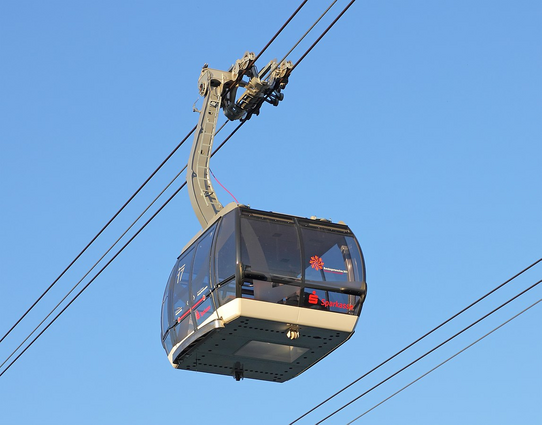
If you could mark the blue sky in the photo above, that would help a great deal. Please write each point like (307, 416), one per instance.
(417, 123)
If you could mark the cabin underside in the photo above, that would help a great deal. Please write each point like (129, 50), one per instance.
(259, 348)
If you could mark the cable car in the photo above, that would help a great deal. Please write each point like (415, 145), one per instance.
(262, 295)
(256, 294)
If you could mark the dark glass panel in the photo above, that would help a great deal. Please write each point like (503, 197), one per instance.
(225, 260)
(226, 292)
(341, 303)
(184, 328)
(331, 257)
(357, 262)
(200, 279)
(330, 301)
(315, 299)
(165, 315)
(181, 296)
(276, 292)
(203, 309)
(270, 247)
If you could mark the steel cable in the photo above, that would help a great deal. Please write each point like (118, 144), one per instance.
(280, 30)
(445, 361)
(109, 262)
(98, 234)
(419, 339)
(300, 40)
(321, 36)
(146, 223)
(133, 195)
(92, 280)
(430, 351)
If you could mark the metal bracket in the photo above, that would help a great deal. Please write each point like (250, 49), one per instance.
(219, 89)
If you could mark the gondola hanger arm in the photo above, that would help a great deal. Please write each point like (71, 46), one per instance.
(219, 90)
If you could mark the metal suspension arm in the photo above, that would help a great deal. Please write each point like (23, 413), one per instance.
(200, 190)
(219, 89)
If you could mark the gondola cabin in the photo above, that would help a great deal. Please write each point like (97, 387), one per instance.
(262, 295)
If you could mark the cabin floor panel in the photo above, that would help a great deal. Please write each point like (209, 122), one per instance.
(216, 352)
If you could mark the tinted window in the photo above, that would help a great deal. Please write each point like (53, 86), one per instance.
(225, 249)
(328, 256)
(167, 317)
(358, 267)
(330, 301)
(270, 247)
(181, 296)
(200, 281)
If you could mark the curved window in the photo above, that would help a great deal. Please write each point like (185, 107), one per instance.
(225, 259)
(165, 322)
(270, 247)
(328, 257)
(166, 311)
(335, 259)
(200, 282)
(283, 259)
(181, 296)
(271, 257)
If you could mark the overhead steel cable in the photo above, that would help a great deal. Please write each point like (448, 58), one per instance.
(112, 246)
(321, 36)
(280, 30)
(301, 39)
(108, 263)
(243, 72)
(95, 264)
(94, 278)
(430, 351)
(418, 340)
(445, 361)
(135, 193)
(124, 206)
(98, 234)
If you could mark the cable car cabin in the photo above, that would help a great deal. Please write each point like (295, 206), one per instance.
(262, 295)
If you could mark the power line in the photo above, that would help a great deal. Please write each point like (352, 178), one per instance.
(301, 39)
(280, 30)
(242, 73)
(94, 278)
(430, 351)
(419, 339)
(133, 196)
(109, 262)
(122, 208)
(322, 35)
(135, 193)
(445, 361)
(99, 233)
(95, 264)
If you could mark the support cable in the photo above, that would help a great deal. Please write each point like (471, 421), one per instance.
(418, 340)
(107, 252)
(134, 195)
(321, 36)
(146, 223)
(111, 260)
(98, 234)
(430, 351)
(94, 278)
(300, 40)
(95, 265)
(280, 30)
(223, 187)
(445, 361)
(242, 73)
